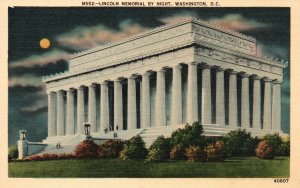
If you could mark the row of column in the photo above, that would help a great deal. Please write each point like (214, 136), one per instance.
(271, 113)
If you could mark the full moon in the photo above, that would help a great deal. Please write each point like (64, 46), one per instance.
(44, 43)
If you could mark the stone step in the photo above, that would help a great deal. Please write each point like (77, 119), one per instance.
(151, 131)
(148, 141)
(149, 135)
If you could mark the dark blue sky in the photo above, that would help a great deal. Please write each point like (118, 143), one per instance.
(72, 30)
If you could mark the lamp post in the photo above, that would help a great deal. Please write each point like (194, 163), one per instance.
(87, 132)
(22, 134)
(87, 129)
(22, 145)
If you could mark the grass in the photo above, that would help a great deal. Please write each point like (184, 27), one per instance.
(234, 167)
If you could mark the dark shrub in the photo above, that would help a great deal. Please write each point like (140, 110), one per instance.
(212, 139)
(159, 150)
(86, 149)
(110, 149)
(156, 155)
(66, 156)
(195, 153)
(239, 143)
(40, 157)
(264, 150)
(48, 156)
(34, 157)
(177, 153)
(189, 136)
(275, 141)
(134, 149)
(215, 151)
(12, 153)
(284, 148)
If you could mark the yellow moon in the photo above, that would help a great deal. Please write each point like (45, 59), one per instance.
(44, 43)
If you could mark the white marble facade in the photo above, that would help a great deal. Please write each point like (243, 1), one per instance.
(169, 76)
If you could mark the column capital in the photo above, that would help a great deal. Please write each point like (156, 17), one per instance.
(104, 82)
(132, 77)
(60, 91)
(161, 70)
(255, 77)
(220, 69)
(245, 75)
(277, 82)
(147, 73)
(205, 66)
(80, 88)
(92, 85)
(177, 66)
(117, 80)
(192, 63)
(267, 79)
(51, 93)
(70, 89)
(232, 72)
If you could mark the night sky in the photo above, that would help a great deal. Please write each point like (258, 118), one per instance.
(71, 30)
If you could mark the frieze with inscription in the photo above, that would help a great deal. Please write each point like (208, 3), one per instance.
(236, 60)
(223, 39)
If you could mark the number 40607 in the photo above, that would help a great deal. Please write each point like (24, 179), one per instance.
(281, 180)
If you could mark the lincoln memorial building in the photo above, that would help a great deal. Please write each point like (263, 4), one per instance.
(155, 82)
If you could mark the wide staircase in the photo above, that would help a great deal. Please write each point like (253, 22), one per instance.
(68, 145)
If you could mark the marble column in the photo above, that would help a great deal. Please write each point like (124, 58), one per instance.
(51, 114)
(206, 95)
(256, 115)
(104, 111)
(176, 108)
(192, 94)
(145, 100)
(92, 107)
(233, 114)
(160, 103)
(267, 117)
(118, 105)
(245, 114)
(131, 110)
(276, 112)
(70, 112)
(80, 110)
(220, 97)
(60, 113)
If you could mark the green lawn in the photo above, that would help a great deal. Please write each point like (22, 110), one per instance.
(235, 167)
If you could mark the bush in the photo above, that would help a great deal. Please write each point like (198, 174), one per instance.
(159, 150)
(156, 155)
(39, 157)
(264, 150)
(34, 158)
(12, 153)
(66, 156)
(215, 151)
(49, 156)
(189, 136)
(134, 149)
(194, 153)
(275, 141)
(240, 143)
(110, 149)
(177, 153)
(284, 148)
(86, 149)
